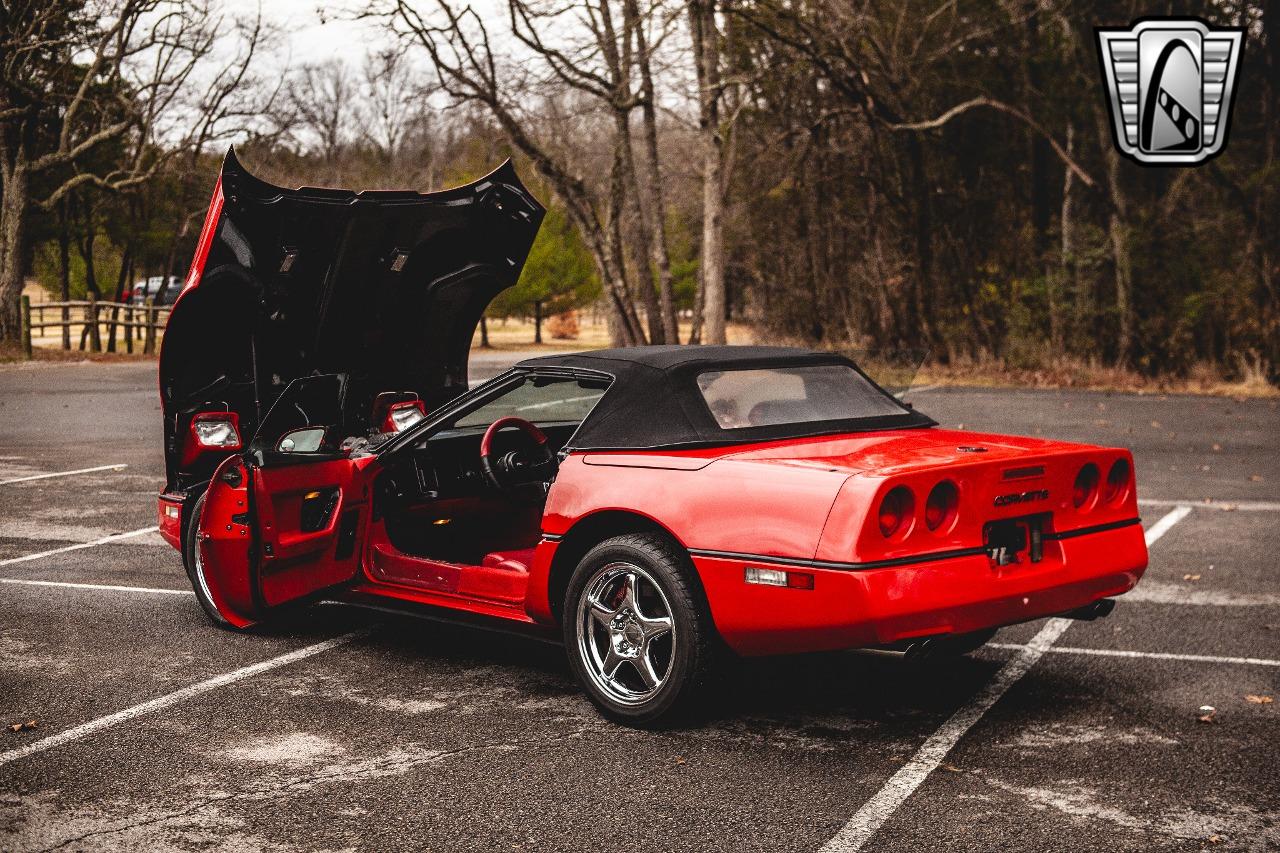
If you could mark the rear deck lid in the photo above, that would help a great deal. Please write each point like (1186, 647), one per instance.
(385, 287)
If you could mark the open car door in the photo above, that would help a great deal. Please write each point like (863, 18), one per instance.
(283, 520)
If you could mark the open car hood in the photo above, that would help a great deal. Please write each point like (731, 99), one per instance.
(385, 287)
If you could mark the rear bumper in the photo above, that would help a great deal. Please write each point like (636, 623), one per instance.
(851, 608)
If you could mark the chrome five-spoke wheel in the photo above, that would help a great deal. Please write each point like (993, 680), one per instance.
(626, 633)
(638, 630)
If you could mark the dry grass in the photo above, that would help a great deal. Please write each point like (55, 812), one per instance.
(593, 333)
(54, 355)
(1071, 373)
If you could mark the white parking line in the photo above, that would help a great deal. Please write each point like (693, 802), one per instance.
(1162, 526)
(863, 825)
(119, 467)
(873, 814)
(98, 586)
(105, 540)
(173, 698)
(1124, 653)
(1163, 592)
(1223, 504)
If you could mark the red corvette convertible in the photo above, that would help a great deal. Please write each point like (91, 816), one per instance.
(653, 506)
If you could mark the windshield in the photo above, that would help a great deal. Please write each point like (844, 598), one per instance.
(741, 399)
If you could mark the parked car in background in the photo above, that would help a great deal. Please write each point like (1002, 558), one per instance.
(154, 288)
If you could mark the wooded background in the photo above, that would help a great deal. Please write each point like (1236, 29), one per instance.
(850, 175)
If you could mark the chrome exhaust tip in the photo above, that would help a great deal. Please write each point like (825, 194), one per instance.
(1099, 609)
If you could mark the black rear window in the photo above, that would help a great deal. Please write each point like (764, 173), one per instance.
(772, 396)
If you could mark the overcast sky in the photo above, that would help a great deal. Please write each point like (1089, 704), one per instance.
(314, 30)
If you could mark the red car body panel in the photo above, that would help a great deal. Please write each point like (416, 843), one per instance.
(812, 503)
(852, 609)
(732, 508)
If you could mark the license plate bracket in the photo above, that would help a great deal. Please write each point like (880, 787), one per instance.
(1010, 540)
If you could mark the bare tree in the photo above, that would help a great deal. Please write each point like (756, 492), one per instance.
(603, 65)
(76, 79)
(653, 195)
(322, 96)
(389, 102)
(236, 102)
(457, 42)
(706, 56)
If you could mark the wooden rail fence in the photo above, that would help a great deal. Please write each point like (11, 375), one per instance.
(137, 322)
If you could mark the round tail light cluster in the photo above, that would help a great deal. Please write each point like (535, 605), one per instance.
(896, 511)
(940, 508)
(1118, 479)
(1085, 491)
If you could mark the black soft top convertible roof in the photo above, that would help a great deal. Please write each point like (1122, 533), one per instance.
(654, 401)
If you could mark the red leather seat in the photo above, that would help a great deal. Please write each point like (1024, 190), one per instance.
(515, 560)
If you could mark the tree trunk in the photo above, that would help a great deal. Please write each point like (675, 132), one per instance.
(86, 254)
(1066, 277)
(613, 250)
(578, 204)
(922, 292)
(655, 204)
(126, 266)
(1118, 234)
(1038, 147)
(1118, 230)
(639, 240)
(85, 245)
(537, 322)
(13, 233)
(1268, 242)
(695, 325)
(702, 19)
(64, 271)
(639, 237)
(484, 332)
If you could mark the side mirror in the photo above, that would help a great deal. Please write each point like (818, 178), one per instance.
(305, 440)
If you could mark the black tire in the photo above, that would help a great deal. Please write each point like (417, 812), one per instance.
(690, 648)
(189, 559)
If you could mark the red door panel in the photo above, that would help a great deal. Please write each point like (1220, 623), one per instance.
(225, 537)
(273, 535)
(309, 518)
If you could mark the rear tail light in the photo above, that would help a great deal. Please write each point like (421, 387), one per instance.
(1118, 478)
(940, 508)
(211, 431)
(216, 430)
(1085, 491)
(401, 416)
(896, 511)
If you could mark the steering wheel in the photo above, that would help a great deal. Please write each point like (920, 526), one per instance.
(516, 467)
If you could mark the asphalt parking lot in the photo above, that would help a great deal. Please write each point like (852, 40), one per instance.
(353, 729)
